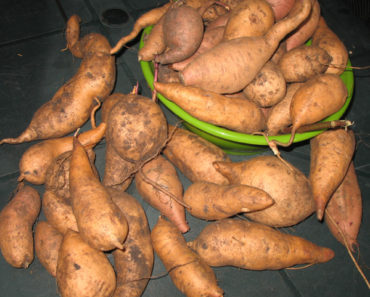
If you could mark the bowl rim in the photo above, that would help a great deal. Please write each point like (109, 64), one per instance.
(237, 137)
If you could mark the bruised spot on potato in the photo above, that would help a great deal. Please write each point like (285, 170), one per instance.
(204, 246)
(76, 266)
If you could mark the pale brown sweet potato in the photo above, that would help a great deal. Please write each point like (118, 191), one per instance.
(326, 38)
(83, 270)
(16, 221)
(167, 74)
(158, 183)
(344, 210)
(100, 222)
(189, 273)
(134, 264)
(249, 18)
(303, 63)
(233, 113)
(194, 155)
(210, 201)
(249, 245)
(58, 212)
(281, 8)
(47, 243)
(231, 65)
(331, 154)
(287, 186)
(72, 104)
(268, 87)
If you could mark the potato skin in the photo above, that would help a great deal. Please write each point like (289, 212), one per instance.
(16, 221)
(134, 264)
(254, 246)
(47, 243)
(190, 274)
(287, 186)
(83, 271)
(193, 156)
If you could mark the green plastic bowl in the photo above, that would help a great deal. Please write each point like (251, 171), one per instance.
(231, 141)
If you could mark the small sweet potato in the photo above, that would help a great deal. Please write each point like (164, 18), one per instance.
(331, 154)
(210, 201)
(287, 186)
(248, 245)
(158, 183)
(134, 264)
(47, 243)
(82, 270)
(194, 156)
(344, 210)
(16, 221)
(189, 273)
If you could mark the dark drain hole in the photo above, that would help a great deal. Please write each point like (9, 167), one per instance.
(114, 17)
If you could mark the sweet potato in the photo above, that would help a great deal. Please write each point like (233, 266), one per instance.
(57, 175)
(281, 8)
(189, 273)
(47, 243)
(331, 154)
(231, 65)
(210, 201)
(72, 104)
(279, 114)
(249, 18)
(344, 210)
(36, 160)
(167, 74)
(83, 270)
(158, 183)
(253, 246)
(303, 63)
(233, 113)
(194, 155)
(268, 87)
(287, 186)
(58, 212)
(149, 18)
(134, 264)
(304, 31)
(16, 221)
(183, 32)
(100, 222)
(326, 38)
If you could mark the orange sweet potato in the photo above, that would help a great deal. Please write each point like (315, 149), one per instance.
(210, 201)
(72, 104)
(249, 245)
(158, 183)
(16, 221)
(194, 156)
(189, 273)
(331, 155)
(287, 186)
(344, 210)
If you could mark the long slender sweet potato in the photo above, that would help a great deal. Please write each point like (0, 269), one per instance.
(231, 65)
(100, 222)
(134, 264)
(210, 201)
(287, 186)
(72, 104)
(194, 156)
(37, 159)
(83, 270)
(248, 245)
(189, 273)
(331, 155)
(16, 221)
(344, 210)
(47, 243)
(234, 113)
(158, 183)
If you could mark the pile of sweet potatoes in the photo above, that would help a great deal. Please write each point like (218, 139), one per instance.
(89, 212)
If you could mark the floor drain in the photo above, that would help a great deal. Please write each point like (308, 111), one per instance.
(114, 17)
